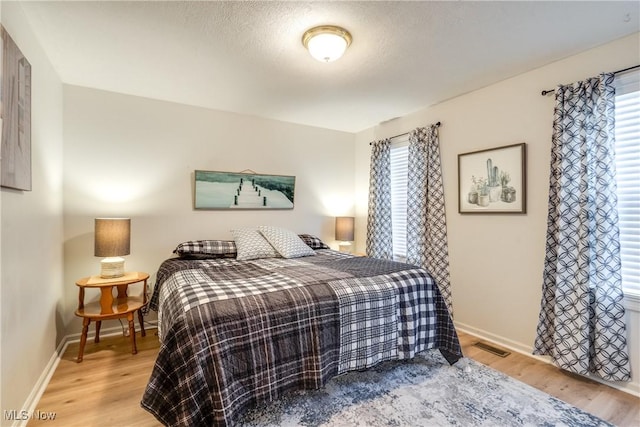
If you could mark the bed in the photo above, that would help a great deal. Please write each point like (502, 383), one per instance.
(237, 332)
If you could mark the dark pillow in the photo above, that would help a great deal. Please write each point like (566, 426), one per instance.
(201, 249)
(313, 242)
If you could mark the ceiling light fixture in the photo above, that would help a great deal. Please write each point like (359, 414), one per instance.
(326, 43)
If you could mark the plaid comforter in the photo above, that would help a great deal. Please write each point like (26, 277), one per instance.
(238, 333)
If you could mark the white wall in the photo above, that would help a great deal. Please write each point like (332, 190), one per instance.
(31, 228)
(135, 157)
(496, 260)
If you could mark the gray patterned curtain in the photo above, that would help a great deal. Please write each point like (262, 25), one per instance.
(582, 322)
(379, 243)
(426, 221)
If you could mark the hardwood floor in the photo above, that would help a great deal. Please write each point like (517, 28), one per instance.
(614, 406)
(106, 388)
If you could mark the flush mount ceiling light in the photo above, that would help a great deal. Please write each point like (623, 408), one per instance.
(326, 43)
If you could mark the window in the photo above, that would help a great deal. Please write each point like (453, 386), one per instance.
(628, 177)
(399, 164)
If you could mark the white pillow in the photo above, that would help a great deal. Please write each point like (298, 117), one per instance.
(252, 245)
(286, 242)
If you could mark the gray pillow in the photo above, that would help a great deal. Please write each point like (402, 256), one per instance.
(250, 244)
(286, 242)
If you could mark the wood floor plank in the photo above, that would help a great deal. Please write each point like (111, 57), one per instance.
(612, 405)
(105, 389)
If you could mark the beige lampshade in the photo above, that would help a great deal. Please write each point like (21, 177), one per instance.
(112, 237)
(112, 240)
(344, 228)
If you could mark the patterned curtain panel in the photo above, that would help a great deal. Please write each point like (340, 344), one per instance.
(379, 243)
(426, 221)
(582, 321)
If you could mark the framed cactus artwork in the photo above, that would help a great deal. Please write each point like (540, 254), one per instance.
(493, 180)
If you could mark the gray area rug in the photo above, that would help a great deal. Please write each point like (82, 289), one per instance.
(425, 391)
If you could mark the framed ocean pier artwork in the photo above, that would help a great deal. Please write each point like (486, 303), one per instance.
(239, 190)
(493, 180)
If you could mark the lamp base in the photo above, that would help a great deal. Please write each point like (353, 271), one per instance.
(344, 247)
(112, 267)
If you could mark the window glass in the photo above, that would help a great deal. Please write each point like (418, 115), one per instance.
(628, 176)
(399, 163)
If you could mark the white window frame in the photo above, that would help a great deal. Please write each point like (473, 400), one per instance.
(399, 180)
(628, 181)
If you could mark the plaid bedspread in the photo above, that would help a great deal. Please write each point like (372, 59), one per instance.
(239, 333)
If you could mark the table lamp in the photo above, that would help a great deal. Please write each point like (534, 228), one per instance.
(344, 232)
(112, 240)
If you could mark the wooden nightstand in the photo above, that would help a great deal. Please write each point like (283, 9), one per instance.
(109, 308)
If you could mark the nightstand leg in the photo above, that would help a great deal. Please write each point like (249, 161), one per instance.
(97, 338)
(83, 337)
(132, 333)
(143, 333)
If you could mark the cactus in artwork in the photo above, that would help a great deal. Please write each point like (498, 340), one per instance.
(504, 178)
(480, 185)
(493, 174)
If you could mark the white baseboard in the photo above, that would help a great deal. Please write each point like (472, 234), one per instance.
(632, 388)
(36, 393)
(31, 403)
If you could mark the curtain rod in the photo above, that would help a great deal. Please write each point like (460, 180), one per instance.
(548, 91)
(406, 133)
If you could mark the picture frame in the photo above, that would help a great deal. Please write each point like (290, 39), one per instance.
(493, 181)
(15, 115)
(242, 190)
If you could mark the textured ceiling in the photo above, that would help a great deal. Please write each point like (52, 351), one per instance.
(247, 57)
